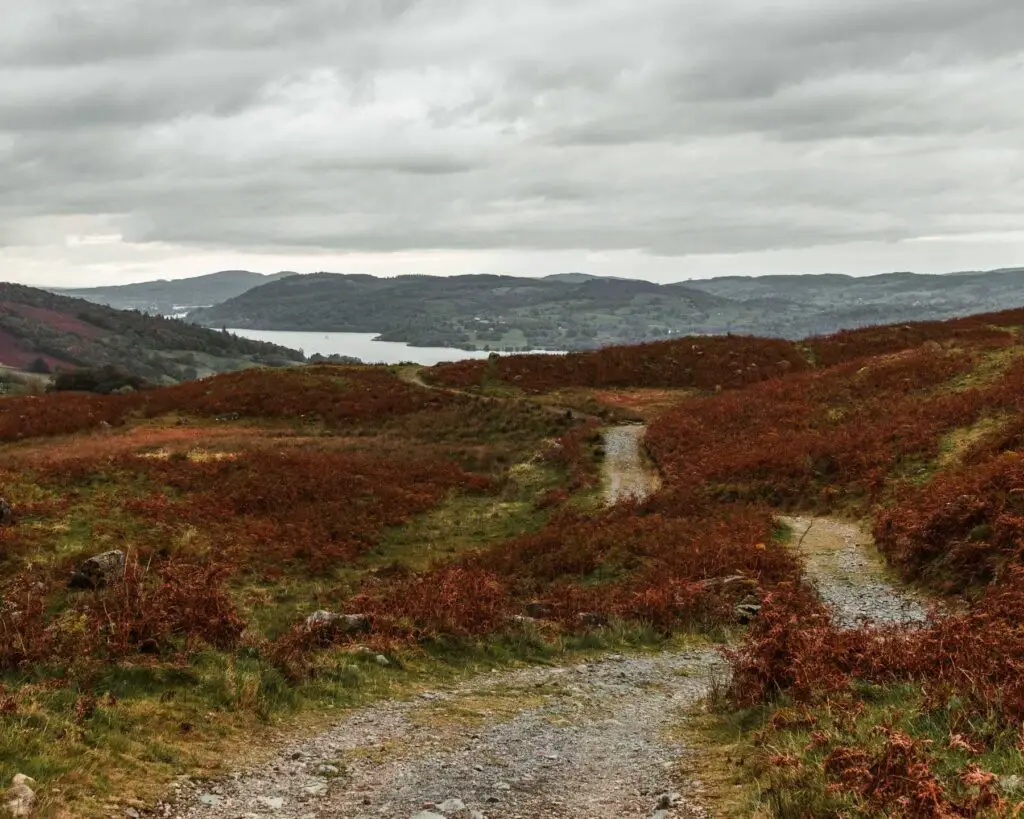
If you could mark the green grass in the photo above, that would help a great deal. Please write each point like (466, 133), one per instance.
(151, 724)
(744, 749)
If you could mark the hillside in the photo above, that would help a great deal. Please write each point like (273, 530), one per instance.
(175, 296)
(65, 333)
(575, 311)
(283, 549)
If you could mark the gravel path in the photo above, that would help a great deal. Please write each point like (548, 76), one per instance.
(591, 740)
(842, 562)
(627, 475)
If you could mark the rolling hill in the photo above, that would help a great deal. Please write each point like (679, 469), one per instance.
(576, 311)
(169, 297)
(46, 331)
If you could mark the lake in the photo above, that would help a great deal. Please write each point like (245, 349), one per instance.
(361, 346)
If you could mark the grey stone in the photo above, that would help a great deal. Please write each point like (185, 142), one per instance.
(209, 799)
(452, 806)
(99, 571)
(746, 612)
(668, 800)
(660, 814)
(382, 661)
(1012, 785)
(339, 623)
(271, 802)
(537, 610)
(20, 798)
(428, 814)
(591, 619)
(327, 770)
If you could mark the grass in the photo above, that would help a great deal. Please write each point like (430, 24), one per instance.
(767, 761)
(150, 725)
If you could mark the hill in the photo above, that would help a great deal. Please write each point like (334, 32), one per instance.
(66, 333)
(576, 311)
(172, 297)
(186, 569)
(476, 312)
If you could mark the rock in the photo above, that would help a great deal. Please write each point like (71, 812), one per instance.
(328, 770)
(339, 623)
(20, 797)
(228, 416)
(209, 799)
(126, 389)
(668, 800)
(502, 786)
(591, 619)
(271, 802)
(452, 806)
(381, 660)
(660, 814)
(746, 612)
(475, 814)
(1012, 785)
(522, 621)
(428, 814)
(99, 571)
(6, 513)
(537, 610)
(131, 813)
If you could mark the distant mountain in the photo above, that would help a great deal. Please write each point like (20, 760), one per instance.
(168, 297)
(580, 311)
(46, 331)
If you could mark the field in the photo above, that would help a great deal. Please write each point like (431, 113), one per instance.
(458, 521)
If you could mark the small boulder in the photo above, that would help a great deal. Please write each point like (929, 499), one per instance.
(591, 619)
(452, 806)
(20, 798)
(6, 513)
(537, 610)
(746, 612)
(99, 571)
(339, 623)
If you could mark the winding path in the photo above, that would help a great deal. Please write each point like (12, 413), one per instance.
(849, 573)
(593, 740)
(627, 473)
(590, 741)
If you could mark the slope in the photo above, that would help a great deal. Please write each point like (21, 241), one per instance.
(169, 297)
(39, 328)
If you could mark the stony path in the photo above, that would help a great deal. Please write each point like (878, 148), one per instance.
(843, 564)
(627, 475)
(591, 740)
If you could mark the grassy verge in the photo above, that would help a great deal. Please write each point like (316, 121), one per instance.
(855, 754)
(123, 738)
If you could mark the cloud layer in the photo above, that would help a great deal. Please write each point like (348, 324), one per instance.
(474, 129)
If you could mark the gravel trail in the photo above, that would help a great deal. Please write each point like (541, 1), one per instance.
(843, 564)
(626, 472)
(592, 740)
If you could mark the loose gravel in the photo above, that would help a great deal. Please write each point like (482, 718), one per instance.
(627, 475)
(591, 740)
(842, 562)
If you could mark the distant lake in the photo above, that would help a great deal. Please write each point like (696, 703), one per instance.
(361, 346)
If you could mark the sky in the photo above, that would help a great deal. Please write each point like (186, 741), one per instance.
(662, 139)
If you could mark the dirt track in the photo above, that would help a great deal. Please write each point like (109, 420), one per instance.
(592, 741)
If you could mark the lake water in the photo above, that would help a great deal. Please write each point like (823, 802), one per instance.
(361, 346)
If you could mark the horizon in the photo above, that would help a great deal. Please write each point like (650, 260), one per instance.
(664, 141)
(268, 274)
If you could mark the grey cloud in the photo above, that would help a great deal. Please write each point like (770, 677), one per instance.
(670, 126)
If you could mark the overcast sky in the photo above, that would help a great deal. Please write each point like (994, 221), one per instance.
(667, 139)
